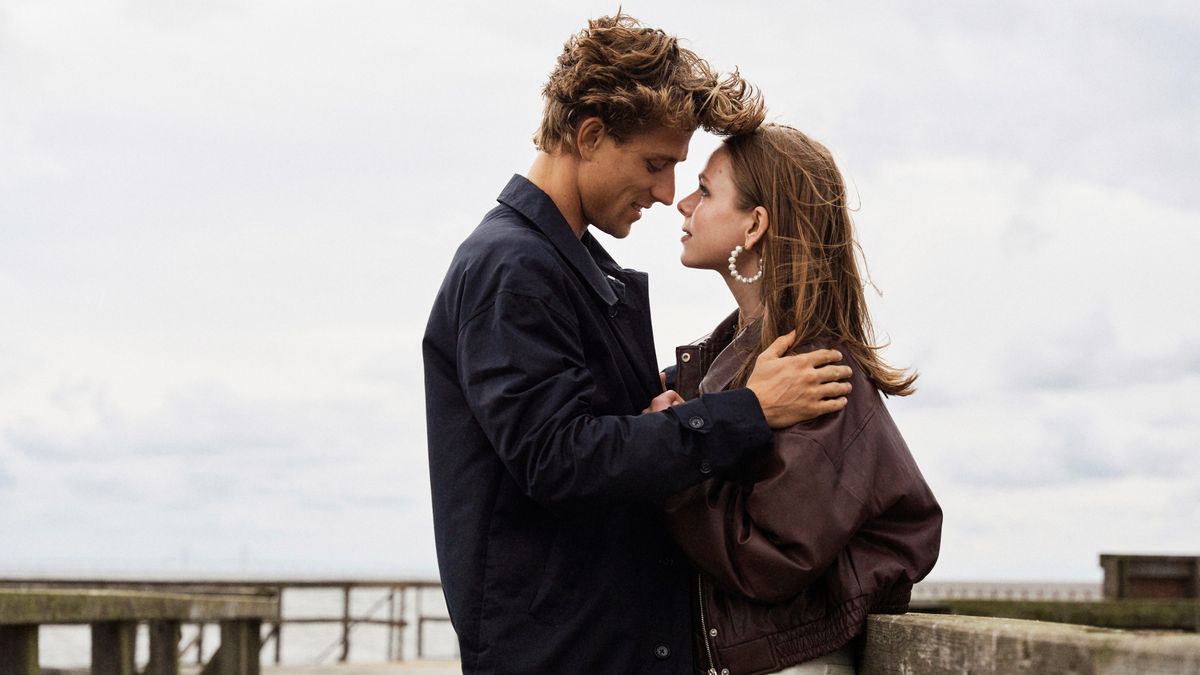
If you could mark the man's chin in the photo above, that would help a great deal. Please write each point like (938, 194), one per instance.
(618, 231)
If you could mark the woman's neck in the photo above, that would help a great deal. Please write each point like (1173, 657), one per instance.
(748, 298)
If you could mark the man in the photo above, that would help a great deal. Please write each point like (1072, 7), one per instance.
(538, 358)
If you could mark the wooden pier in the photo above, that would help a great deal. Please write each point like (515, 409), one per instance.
(114, 615)
(250, 614)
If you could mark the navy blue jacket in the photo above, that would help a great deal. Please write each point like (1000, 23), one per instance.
(547, 482)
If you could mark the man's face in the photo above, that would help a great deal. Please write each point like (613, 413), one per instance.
(618, 180)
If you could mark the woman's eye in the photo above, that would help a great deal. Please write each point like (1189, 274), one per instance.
(703, 191)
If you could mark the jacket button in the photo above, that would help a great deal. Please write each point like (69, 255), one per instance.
(712, 632)
(705, 467)
(685, 357)
(696, 422)
(612, 311)
(662, 652)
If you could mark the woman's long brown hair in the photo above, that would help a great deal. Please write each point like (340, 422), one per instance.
(811, 281)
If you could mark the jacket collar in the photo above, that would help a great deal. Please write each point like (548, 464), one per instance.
(741, 347)
(585, 255)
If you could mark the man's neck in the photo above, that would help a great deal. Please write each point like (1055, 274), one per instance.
(555, 175)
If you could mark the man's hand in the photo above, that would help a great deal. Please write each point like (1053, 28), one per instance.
(663, 401)
(800, 387)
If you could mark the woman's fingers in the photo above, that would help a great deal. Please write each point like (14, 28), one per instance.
(663, 401)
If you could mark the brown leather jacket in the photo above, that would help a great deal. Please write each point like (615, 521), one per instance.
(797, 548)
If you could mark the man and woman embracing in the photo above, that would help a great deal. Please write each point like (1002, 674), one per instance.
(740, 512)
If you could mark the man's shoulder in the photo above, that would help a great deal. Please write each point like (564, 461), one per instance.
(504, 237)
(506, 253)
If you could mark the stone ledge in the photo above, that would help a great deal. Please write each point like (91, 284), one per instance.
(944, 644)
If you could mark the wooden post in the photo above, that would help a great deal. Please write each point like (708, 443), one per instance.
(279, 625)
(241, 642)
(164, 648)
(391, 647)
(345, 624)
(403, 624)
(277, 634)
(19, 650)
(420, 625)
(112, 647)
(200, 644)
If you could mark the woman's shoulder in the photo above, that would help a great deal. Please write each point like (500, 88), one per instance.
(864, 401)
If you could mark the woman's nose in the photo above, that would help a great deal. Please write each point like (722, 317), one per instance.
(685, 204)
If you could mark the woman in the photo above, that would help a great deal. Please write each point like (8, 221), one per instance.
(836, 521)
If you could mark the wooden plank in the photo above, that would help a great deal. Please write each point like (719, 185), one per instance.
(19, 650)
(164, 648)
(946, 645)
(113, 647)
(56, 606)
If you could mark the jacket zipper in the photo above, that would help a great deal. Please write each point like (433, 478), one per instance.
(712, 667)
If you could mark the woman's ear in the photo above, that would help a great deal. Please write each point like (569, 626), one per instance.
(588, 136)
(761, 222)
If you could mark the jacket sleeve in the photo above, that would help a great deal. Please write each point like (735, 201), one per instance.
(769, 539)
(522, 369)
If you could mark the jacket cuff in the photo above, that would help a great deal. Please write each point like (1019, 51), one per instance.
(729, 425)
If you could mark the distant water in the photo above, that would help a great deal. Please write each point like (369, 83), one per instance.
(303, 644)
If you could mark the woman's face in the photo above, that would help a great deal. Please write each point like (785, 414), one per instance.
(712, 222)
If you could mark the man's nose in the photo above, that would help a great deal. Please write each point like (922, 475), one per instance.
(664, 190)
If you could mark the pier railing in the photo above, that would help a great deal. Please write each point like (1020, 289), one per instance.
(396, 601)
(114, 616)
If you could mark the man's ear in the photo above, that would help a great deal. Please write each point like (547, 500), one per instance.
(758, 227)
(588, 136)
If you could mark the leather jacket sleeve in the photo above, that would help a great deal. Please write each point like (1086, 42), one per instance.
(769, 539)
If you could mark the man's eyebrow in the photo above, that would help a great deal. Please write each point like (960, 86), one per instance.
(665, 158)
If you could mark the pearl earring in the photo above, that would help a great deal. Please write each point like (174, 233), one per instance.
(737, 250)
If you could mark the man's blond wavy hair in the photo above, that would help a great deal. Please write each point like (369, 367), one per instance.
(635, 79)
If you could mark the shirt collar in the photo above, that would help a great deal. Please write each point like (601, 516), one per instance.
(743, 346)
(584, 254)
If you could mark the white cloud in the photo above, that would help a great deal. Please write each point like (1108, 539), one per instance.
(222, 226)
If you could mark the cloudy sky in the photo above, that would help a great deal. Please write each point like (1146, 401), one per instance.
(222, 225)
